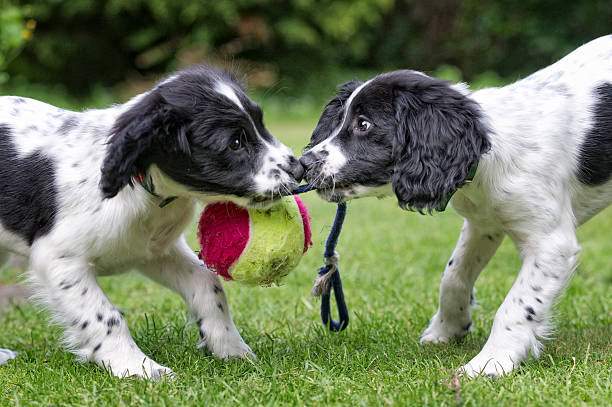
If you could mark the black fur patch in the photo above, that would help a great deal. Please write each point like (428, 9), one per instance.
(185, 127)
(439, 137)
(595, 160)
(28, 194)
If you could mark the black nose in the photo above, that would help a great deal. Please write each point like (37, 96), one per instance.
(307, 160)
(295, 169)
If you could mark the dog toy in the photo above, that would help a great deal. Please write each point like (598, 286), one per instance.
(255, 247)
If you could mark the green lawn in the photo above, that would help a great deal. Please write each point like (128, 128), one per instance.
(391, 264)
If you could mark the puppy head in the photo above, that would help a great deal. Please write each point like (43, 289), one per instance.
(400, 132)
(205, 136)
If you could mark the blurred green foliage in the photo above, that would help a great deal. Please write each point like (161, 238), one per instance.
(14, 32)
(290, 48)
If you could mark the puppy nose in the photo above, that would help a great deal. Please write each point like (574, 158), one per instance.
(307, 160)
(295, 169)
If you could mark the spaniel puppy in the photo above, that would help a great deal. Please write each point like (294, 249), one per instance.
(540, 155)
(107, 191)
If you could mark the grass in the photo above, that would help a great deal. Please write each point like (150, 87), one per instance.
(391, 263)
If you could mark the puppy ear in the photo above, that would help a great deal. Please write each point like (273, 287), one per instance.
(439, 137)
(332, 114)
(151, 120)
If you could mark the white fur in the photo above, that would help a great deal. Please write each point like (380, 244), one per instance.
(229, 93)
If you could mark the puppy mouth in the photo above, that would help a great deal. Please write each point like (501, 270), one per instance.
(337, 193)
(263, 201)
(270, 198)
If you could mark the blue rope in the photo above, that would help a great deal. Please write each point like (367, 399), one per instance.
(335, 282)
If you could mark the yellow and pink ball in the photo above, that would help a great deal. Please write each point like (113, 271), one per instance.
(256, 247)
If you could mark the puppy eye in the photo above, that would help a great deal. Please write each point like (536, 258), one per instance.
(363, 125)
(238, 141)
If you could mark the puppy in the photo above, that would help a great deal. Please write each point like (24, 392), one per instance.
(107, 191)
(539, 152)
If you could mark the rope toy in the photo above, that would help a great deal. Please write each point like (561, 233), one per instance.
(329, 275)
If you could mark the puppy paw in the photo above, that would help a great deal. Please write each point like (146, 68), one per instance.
(6, 355)
(226, 344)
(439, 331)
(143, 368)
(488, 365)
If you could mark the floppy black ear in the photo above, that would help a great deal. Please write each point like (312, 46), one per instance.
(332, 114)
(439, 136)
(150, 121)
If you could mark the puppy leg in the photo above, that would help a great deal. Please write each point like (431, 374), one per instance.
(475, 247)
(5, 354)
(548, 263)
(182, 271)
(95, 330)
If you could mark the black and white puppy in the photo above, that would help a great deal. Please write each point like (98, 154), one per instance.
(543, 149)
(107, 191)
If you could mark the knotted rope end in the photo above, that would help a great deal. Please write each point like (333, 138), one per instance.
(323, 280)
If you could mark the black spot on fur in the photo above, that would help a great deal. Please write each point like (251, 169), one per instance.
(538, 300)
(220, 306)
(529, 317)
(84, 291)
(468, 326)
(112, 321)
(65, 285)
(595, 160)
(99, 316)
(536, 288)
(28, 194)
(98, 346)
(202, 334)
(490, 237)
(450, 262)
(19, 100)
(508, 328)
(199, 322)
(68, 125)
(84, 324)
(217, 290)
(530, 310)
